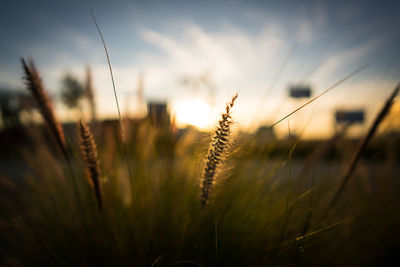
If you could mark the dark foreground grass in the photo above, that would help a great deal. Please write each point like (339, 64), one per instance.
(260, 217)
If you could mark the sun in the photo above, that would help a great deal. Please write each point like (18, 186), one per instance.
(194, 112)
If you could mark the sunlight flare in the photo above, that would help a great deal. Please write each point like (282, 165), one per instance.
(195, 112)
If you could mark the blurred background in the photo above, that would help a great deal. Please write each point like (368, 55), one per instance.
(189, 57)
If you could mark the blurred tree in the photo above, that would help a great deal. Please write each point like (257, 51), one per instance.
(9, 110)
(72, 92)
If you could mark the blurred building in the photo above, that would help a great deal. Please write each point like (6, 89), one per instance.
(265, 135)
(158, 114)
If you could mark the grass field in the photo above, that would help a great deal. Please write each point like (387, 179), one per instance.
(165, 198)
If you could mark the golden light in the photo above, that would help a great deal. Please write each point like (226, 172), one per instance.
(196, 112)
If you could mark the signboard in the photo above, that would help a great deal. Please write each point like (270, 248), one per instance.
(349, 116)
(300, 91)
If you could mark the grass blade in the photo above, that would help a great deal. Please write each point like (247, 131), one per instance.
(378, 119)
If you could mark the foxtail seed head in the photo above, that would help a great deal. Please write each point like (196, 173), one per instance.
(35, 86)
(89, 153)
(215, 152)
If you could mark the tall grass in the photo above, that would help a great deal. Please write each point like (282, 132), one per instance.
(215, 153)
(89, 153)
(35, 86)
(262, 216)
(367, 138)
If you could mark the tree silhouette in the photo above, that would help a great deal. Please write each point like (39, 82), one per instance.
(72, 92)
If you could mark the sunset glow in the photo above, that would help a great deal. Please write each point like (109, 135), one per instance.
(196, 112)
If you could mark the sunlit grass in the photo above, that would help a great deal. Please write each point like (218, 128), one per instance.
(267, 208)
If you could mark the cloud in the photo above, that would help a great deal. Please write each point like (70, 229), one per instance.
(232, 57)
(344, 61)
(305, 32)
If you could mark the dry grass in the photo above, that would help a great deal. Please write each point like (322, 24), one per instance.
(215, 152)
(35, 86)
(363, 143)
(261, 218)
(89, 153)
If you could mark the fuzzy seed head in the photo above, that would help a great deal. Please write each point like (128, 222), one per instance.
(35, 86)
(215, 152)
(89, 153)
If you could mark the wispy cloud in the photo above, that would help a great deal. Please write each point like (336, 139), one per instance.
(233, 57)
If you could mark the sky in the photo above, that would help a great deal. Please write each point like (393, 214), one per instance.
(197, 54)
